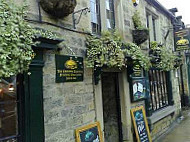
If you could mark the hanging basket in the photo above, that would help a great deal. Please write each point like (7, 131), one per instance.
(58, 8)
(140, 36)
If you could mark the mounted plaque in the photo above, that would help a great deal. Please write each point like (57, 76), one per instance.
(138, 89)
(140, 124)
(69, 68)
(89, 133)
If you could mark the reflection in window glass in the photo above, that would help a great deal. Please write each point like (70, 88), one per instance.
(110, 14)
(8, 110)
(95, 16)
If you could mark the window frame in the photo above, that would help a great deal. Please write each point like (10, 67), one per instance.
(95, 27)
(110, 11)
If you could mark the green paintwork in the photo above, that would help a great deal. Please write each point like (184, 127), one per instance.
(33, 103)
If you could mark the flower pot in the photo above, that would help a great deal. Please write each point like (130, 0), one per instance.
(58, 8)
(140, 36)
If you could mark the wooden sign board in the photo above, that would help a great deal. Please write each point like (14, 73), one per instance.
(140, 124)
(182, 38)
(89, 133)
(69, 68)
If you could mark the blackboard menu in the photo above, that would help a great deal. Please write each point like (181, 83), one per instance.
(89, 133)
(69, 68)
(140, 124)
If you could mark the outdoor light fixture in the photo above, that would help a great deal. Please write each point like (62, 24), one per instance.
(11, 88)
(135, 2)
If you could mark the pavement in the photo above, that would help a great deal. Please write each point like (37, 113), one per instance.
(181, 132)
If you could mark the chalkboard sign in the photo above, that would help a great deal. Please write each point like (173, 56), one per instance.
(89, 133)
(140, 124)
(69, 68)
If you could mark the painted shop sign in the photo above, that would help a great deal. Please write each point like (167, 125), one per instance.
(140, 124)
(69, 68)
(89, 133)
(182, 40)
(137, 71)
(138, 89)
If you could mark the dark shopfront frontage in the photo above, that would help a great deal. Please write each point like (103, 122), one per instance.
(21, 102)
(21, 106)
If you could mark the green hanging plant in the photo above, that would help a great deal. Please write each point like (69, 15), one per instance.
(105, 51)
(165, 58)
(137, 21)
(16, 39)
(109, 50)
(139, 57)
(141, 33)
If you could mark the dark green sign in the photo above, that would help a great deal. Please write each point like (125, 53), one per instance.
(182, 40)
(138, 89)
(69, 68)
(137, 71)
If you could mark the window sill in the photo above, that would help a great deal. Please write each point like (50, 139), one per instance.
(160, 114)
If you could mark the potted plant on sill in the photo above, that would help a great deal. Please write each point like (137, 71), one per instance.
(140, 34)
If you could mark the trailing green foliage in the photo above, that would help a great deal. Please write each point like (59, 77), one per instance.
(105, 51)
(16, 39)
(167, 59)
(137, 21)
(109, 50)
(140, 57)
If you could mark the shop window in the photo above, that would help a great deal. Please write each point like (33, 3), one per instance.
(95, 16)
(110, 14)
(158, 89)
(8, 110)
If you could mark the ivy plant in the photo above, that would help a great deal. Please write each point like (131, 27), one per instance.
(16, 39)
(105, 51)
(137, 21)
(109, 50)
(136, 53)
(167, 59)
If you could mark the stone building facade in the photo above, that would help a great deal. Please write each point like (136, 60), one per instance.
(69, 105)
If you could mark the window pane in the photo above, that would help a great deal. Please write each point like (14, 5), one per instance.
(158, 89)
(154, 28)
(8, 109)
(95, 16)
(110, 14)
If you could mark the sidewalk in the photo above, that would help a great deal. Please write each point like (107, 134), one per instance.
(180, 133)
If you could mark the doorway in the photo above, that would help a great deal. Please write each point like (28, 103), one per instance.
(111, 107)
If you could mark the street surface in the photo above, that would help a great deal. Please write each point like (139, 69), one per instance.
(180, 133)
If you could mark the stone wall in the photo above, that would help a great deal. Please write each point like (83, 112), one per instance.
(68, 106)
(162, 126)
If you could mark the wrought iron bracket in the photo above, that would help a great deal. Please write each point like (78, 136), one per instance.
(81, 11)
